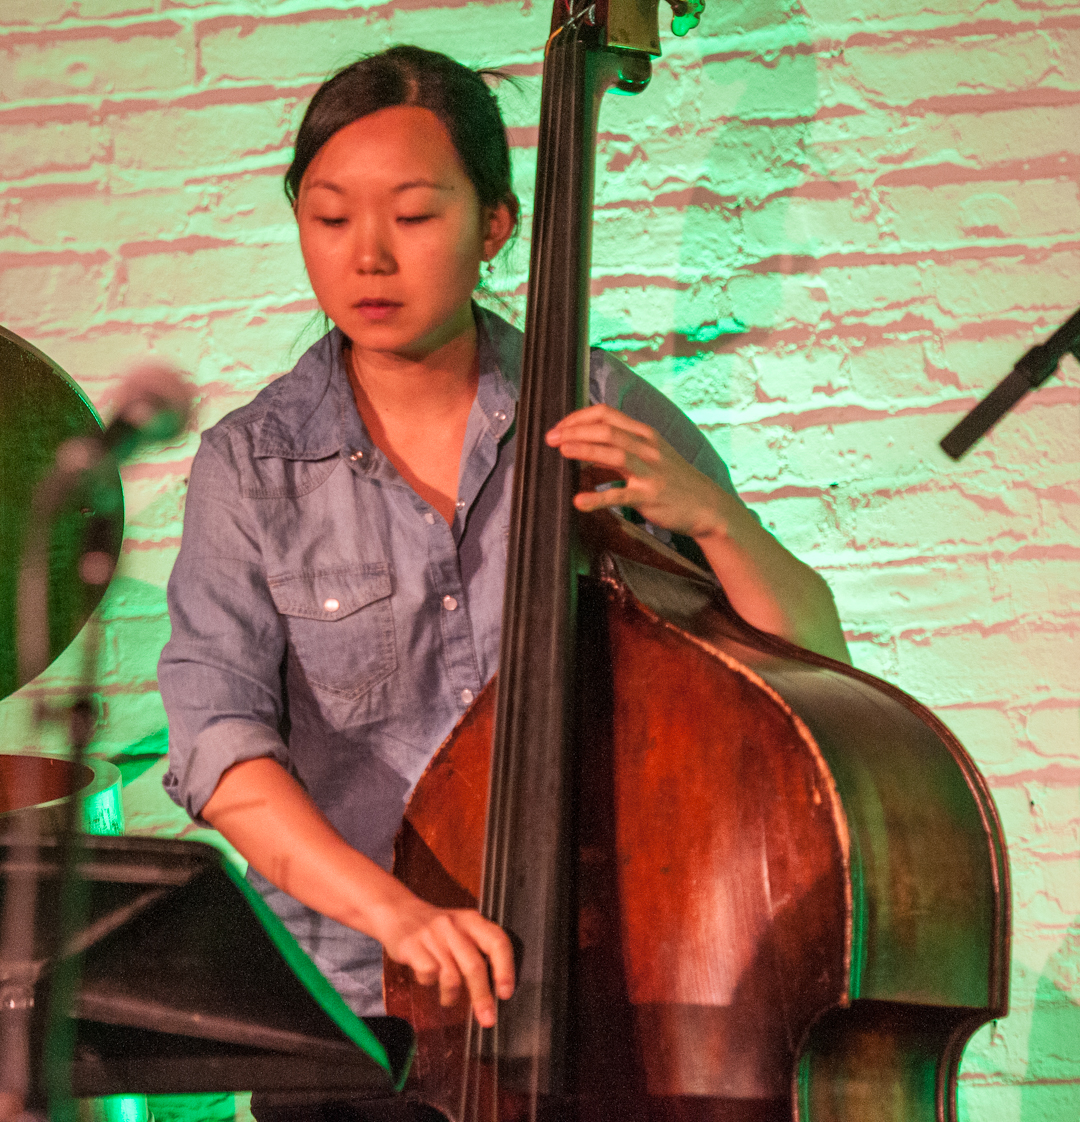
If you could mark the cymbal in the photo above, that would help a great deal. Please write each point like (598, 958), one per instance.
(40, 408)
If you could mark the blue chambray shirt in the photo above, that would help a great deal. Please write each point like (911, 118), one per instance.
(323, 614)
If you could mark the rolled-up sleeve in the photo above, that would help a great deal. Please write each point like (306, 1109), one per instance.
(220, 672)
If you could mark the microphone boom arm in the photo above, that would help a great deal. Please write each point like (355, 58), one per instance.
(1028, 374)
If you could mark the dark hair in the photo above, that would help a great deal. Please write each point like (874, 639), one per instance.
(458, 96)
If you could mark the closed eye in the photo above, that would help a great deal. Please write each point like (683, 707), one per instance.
(331, 221)
(414, 219)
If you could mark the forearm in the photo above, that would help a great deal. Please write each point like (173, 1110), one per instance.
(262, 810)
(268, 816)
(768, 586)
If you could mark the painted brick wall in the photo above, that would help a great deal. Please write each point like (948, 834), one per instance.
(826, 230)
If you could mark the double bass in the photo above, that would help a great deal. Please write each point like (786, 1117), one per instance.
(746, 882)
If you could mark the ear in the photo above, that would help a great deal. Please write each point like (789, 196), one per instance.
(500, 221)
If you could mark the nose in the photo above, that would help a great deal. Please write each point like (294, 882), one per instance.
(372, 253)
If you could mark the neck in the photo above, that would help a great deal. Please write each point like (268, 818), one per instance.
(416, 387)
(417, 409)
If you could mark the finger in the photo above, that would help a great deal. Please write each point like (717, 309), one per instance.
(601, 432)
(588, 501)
(449, 982)
(605, 414)
(471, 965)
(495, 943)
(424, 965)
(584, 444)
(618, 460)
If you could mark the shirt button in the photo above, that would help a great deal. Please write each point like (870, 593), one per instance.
(330, 605)
(500, 415)
(466, 697)
(357, 455)
(460, 504)
(449, 603)
(429, 518)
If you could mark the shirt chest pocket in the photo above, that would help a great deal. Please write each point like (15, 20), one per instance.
(340, 626)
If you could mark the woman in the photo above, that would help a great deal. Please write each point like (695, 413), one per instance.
(335, 604)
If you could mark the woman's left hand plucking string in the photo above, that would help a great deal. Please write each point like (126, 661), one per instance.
(768, 586)
(658, 483)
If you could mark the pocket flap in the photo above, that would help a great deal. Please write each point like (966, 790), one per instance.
(330, 594)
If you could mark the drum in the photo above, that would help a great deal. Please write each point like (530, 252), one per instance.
(41, 785)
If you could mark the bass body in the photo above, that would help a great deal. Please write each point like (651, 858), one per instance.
(790, 895)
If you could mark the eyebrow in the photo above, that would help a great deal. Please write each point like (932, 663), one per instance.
(329, 185)
(421, 183)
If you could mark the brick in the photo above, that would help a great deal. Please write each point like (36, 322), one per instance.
(260, 50)
(662, 242)
(1020, 664)
(1047, 842)
(151, 565)
(924, 516)
(250, 350)
(877, 14)
(154, 507)
(34, 13)
(925, 594)
(1055, 733)
(987, 732)
(129, 722)
(163, 58)
(991, 1103)
(901, 75)
(875, 144)
(283, 48)
(997, 1051)
(49, 147)
(811, 225)
(1044, 891)
(949, 215)
(38, 297)
(106, 9)
(99, 358)
(181, 1108)
(187, 138)
(738, 18)
(203, 277)
(749, 88)
(91, 217)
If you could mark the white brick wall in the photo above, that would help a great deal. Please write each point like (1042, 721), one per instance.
(882, 193)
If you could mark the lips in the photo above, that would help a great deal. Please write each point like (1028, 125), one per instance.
(377, 309)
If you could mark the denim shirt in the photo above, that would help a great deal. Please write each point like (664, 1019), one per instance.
(325, 615)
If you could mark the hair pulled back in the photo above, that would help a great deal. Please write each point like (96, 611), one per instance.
(407, 75)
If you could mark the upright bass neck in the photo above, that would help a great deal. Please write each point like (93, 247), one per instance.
(526, 876)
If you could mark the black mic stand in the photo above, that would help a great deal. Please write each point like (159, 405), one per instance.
(156, 408)
(1028, 374)
(78, 463)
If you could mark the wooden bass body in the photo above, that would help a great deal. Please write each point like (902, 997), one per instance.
(789, 893)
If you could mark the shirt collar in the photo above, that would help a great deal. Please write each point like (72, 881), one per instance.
(311, 414)
(303, 420)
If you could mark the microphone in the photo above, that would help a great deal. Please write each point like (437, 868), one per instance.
(152, 405)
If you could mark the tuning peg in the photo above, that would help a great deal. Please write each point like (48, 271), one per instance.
(686, 14)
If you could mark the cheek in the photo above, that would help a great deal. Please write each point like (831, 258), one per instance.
(323, 269)
(462, 253)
